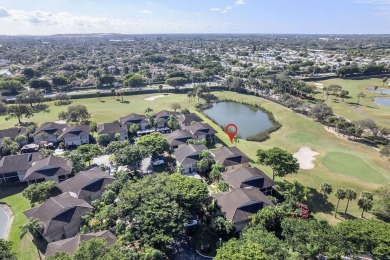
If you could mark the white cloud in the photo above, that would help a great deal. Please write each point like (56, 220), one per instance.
(215, 9)
(146, 12)
(227, 9)
(240, 2)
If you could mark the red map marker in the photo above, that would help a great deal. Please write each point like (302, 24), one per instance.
(229, 133)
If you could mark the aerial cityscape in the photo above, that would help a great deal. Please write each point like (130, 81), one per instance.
(227, 130)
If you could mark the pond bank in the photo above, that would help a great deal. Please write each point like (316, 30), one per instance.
(8, 212)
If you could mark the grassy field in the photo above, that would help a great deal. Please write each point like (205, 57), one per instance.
(367, 108)
(24, 248)
(342, 163)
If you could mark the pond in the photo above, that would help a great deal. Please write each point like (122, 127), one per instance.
(383, 101)
(249, 122)
(5, 72)
(380, 90)
(3, 222)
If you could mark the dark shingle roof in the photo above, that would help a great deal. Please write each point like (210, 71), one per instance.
(21, 162)
(111, 128)
(133, 119)
(178, 137)
(164, 114)
(229, 156)
(12, 132)
(189, 154)
(70, 245)
(200, 129)
(75, 130)
(242, 203)
(86, 183)
(51, 128)
(57, 212)
(247, 177)
(189, 118)
(50, 166)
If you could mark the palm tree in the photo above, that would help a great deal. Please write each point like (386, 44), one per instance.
(215, 171)
(113, 92)
(365, 201)
(98, 94)
(326, 189)
(179, 169)
(310, 251)
(33, 226)
(236, 140)
(148, 110)
(340, 195)
(375, 88)
(189, 95)
(360, 95)
(384, 81)
(350, 194)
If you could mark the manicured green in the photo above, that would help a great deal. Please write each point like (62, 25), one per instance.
(352, 166)
(23, 248)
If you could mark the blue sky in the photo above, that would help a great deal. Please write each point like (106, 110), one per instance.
(196, 16)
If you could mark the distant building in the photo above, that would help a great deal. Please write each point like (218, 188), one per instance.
(246, 177)
(202, 131)
(75, 135)
(113, 128)
(139, 120)
(187, 119)
(240, 204)
(188, 156)
(70, 245)
(60, 216)
(51, 168)
(13, 168)
(163, 117)
(48, 132)
(178, 138)
(231, 158)
(87, 185)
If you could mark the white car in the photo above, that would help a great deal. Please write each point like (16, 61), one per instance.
(158, 161)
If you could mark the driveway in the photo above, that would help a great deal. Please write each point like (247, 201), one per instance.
(104, 159)
(187, 252)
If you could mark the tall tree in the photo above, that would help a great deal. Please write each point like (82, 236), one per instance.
(359, 96)
(19, 111)
(75, 114)
(365, 201)
(382, 203)
(326, 189)
(340, 195)
(281, 162)
(350, 194)
(34, 226)
(39, 192)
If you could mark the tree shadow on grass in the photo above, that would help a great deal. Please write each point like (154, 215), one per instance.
(346, 215)
(319, 203)
(11, 189)
(102, 101)
(125, 102)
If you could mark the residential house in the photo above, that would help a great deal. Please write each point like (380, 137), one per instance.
(249, 177)
(188, 119)
(12, 133)
(139, 120)
(240, 204)
(162, 117)
(202, 131)
(60, 216)
(231, 158)
(75, 135)
(51, 168)
(188, 156)
(87, 185)
(113, 128)
(13, 168)
(70, 245)
(178, 138)
(48, 132)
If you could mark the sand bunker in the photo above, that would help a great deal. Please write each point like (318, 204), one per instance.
(155, 97)
(305, 157)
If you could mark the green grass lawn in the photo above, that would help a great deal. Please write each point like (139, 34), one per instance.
(360, 167)
(24, 248)
(367, 108)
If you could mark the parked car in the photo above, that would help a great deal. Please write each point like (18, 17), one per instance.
(158, 161)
